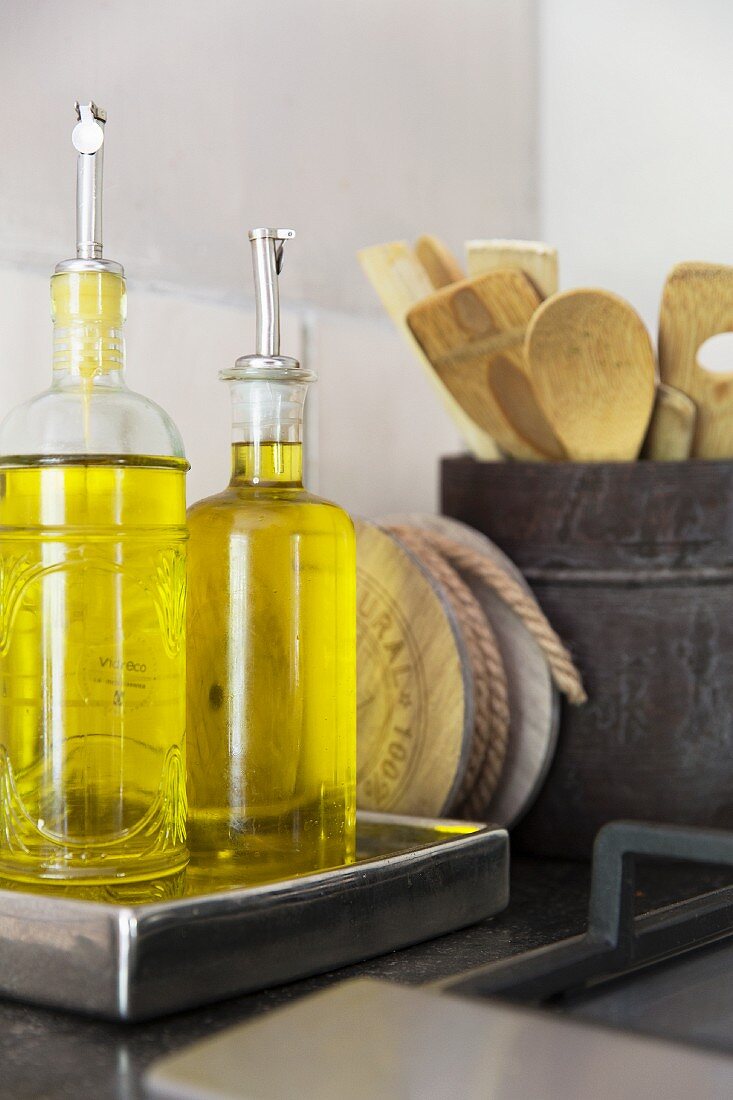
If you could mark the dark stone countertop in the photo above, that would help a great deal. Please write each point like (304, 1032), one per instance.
(50, 1055)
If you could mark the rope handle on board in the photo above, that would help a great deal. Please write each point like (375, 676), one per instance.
(522, 603)
(443, 557)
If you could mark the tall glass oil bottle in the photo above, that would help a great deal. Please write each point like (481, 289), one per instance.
(272, 634)
(92, 594)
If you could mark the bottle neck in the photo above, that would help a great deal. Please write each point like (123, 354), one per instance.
(88, 310)
(267, 464)
(267, 432)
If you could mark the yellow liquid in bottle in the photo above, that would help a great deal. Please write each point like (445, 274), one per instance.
(92, 668)
(271, 675)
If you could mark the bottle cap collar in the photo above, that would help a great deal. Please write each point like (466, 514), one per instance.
(277, 368)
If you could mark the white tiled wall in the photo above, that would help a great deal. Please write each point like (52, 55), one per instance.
(381, 427)
(354, 121)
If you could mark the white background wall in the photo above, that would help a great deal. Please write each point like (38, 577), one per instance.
(354, 121)
(636, 156)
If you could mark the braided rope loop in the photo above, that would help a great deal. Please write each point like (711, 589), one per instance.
(444, 558)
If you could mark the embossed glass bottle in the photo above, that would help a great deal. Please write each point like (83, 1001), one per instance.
(272, 635)
(92, 594)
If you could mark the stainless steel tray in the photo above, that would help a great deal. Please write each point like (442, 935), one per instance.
(414, 879)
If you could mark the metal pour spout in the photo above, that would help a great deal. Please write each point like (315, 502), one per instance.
(267, 363)
(88, 140)
(267, 260)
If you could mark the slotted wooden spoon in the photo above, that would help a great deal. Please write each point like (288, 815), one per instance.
(697, 303)
(472, 332)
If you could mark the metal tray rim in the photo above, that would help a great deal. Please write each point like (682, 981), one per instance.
(130, 963)
(474, 831)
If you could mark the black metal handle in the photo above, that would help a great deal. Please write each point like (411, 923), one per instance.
(616, 939)
(611, 908)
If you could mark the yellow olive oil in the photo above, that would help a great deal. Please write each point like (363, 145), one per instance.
(92, 667)
(92, 598)
(271, 674)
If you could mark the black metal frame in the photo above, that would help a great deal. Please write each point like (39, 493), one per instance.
(616, 940)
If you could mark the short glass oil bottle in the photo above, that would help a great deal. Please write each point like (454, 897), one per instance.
(92, 594)
(272, 634)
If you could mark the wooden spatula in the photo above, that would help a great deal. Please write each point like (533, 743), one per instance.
(472, 332)
(672, 426)
(697, 303)
(593, 370)
(400, 280)
(534, 258)
(441, 265)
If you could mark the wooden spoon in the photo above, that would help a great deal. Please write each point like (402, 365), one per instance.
(441, 265)
(400, 280)
(672, 426)
(534, 258)
(593, 369)
(472, 332)
(697, 303)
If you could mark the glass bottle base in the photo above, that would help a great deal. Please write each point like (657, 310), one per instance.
(266, 847)
(54, 875)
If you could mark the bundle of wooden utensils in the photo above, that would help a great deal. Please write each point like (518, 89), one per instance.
(529, 373)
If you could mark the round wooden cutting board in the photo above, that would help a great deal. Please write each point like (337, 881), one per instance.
(533, 699)
(415, 689)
